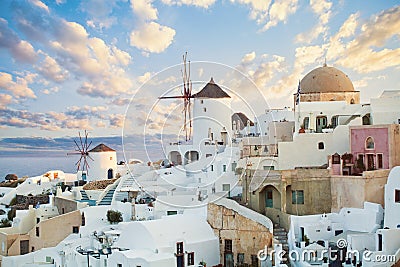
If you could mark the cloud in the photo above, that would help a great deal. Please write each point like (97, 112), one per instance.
(279, 11)
(258, 9)
(19, 88)
(269, 13)
(322, 9)
(22, 51)
(84, 112)
(120, 101)
(152, 37)
(249, 57)
(5, 100)
(198, 3)
(363, 53)
(100, 67)
(51, 70)
(144, 10)
(50, 91)
(152, 79)
(116, 120)
(99, 13)
(40, 5)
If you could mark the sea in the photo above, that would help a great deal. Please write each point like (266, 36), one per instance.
(37, 163)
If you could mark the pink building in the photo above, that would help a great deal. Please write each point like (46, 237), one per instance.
(374, 147)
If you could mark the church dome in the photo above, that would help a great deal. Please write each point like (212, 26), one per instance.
(326, 80)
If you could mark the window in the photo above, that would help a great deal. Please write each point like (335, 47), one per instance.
(267, 168)
(224, 168)
(234, 164)
(119, 264)
(240, 258)
(190, 258)
(208, 155)
(212, 168)
(298, 197)
(228, 245)
(321, 145)
(201, 101)
(75, 229)
(179, 248)
(397, 195)
(171, 212)
(110, 158)
(37, 231)
(336, 158)
(369, 143)
(226, 187)
(37, 220)
(379, 161)
(254, 260)
(205, 109)
(306, 122)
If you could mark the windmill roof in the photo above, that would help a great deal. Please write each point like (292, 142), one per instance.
(211, 90)
(101, 148)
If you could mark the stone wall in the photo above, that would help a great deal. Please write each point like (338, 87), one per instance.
(247, 235)
(23, 202)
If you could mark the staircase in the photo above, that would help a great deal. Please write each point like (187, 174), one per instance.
(280, 235)
(84, 195)
(106, 200)
(126, 182)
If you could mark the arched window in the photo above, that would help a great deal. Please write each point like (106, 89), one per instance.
(352, 101)
(369, 143)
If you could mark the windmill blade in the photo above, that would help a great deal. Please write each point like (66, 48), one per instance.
(168, 97)
(80, 138)
(79, 149)
(74, 153)
(79, 163)
(89, 145)
(86, 134)
(90, 157)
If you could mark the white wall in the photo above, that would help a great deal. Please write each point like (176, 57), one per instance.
(214, 113)
(392, 209)
(103, 161)
(385, 110)
(304, 151)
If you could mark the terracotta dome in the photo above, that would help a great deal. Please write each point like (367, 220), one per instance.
(324, 80)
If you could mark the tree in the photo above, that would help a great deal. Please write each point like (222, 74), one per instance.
(114, 216)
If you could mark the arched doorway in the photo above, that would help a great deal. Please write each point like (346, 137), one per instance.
(191, 156)
(270, 197)
(110, 173)
(175, 157)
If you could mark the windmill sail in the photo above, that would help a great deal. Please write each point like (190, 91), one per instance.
(82, 150)
(186, 95)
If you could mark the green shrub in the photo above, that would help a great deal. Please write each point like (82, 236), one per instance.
(13, 201)
(114, 216)
(11, 214)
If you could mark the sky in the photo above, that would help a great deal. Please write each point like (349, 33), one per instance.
(67, 66)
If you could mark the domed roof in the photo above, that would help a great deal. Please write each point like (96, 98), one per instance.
(326, 79)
